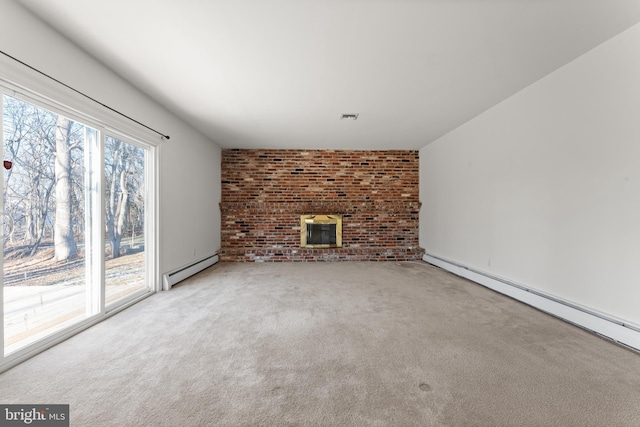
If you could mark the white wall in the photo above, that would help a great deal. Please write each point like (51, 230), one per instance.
(544, 188)
(189, 165)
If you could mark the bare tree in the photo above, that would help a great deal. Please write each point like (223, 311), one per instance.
(45, 191)
(114, 154)
(64, 241)
(29, 143)
(124, 176)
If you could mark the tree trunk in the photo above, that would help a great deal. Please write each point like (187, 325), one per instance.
(116, 237)
(32, 210)
(63, 239)
(111, 204)
(29, 234)
(122, 208)
(42, 220)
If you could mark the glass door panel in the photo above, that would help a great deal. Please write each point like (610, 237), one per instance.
(125, 191)
(44, 204)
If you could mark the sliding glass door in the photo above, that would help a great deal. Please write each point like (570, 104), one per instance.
(74, 222)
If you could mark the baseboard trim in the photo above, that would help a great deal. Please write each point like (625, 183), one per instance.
(179, 274)
(610, 327)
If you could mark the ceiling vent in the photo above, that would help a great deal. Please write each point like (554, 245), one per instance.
(350, 116)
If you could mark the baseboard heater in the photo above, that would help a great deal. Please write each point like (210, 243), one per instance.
(179, 274)
(610, 327)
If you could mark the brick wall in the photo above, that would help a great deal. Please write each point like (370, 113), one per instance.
(264, 192)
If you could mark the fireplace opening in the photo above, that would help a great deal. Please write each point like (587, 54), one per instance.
(321, 231)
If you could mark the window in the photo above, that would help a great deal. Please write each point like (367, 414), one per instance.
(77, 214)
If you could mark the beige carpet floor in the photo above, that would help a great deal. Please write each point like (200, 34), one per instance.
(333, 344)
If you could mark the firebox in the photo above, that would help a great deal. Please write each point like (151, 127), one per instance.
(321, 231)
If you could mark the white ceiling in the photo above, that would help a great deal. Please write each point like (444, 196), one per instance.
(279, 73)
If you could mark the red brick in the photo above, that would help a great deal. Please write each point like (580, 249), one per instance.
(376, 191)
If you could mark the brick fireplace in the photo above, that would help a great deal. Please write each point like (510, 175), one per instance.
(265, 193)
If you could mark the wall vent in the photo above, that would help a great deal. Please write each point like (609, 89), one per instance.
(349, 116)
